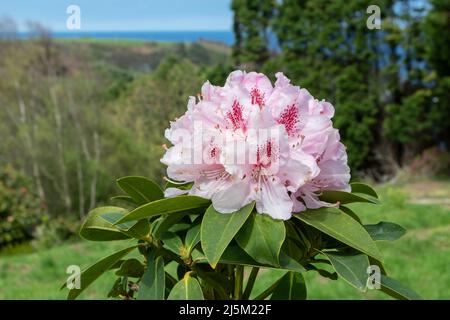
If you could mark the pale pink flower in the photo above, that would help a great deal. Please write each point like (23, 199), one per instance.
(274, 145)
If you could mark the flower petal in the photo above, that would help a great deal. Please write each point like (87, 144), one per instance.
(273, 199)
(233, 197)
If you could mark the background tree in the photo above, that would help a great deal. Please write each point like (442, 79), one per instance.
(390, 97)
(251, 28)
(327, 48)
(437, 55)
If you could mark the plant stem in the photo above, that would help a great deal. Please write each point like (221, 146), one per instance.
(250, 283)
(268, 291)
(239, 282)
(230, 270)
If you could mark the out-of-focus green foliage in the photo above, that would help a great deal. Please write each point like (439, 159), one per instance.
(438, 44)
(76, 115)
(21, 210)
(55, 231)
(390, 85)
(251, 28)
(144, 111)
(438, 53)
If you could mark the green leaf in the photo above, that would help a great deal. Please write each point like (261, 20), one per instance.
(350, 212)
(262, 237)
(95, 228)
(294, 245)
(133, 229)
(291, 287)
(235, 255)
(384, 230)
(113, 216)
(140, 230)
(180, 226)
(179, 185)
(172, 242)
(192, 238)
(141, 189)
(375, 262)
(187, 288)
(131, 268)
(219, 229)
(152, 285)
(351, 267)
(334, 196)
(322, 272)
(358, 187)
(90, 274)
(185, 204)
(397, 290)
(340, 226)
(117, 265)
(126, 199)
(167, 221)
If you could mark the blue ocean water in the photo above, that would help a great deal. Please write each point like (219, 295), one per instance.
(226, 37)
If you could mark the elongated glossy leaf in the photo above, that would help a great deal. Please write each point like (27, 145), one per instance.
(192, 237)
(167, 221)
(291, 287)
(167, 206)
(375, 263)
(235, 255)
(294, 246)
(334, 196)
(90, 274)
(152, 285)
(95, 228)
(178, 185)
(141, 189)
(131, 268)
(219, 229)
(397, 290)
(113, 216)
(126, 199)
(172, 242)
(350, 212)
(187, 288)
(133, 229)
(385, 231)
(117, 265)
(358, 187)
(322, 272)
(351, 267)
(262, 237)
(341, 227)
(140, 230)
(180, 226)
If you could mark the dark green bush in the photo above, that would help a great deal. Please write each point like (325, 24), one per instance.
(21, 211)
(56, 231)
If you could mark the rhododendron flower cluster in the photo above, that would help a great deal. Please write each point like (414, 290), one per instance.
(252, 141)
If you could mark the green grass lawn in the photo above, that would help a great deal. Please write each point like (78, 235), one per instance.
(420, 259)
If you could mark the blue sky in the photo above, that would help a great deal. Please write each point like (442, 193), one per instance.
(126, 15)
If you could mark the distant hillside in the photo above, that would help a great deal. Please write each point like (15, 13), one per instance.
(142, 56)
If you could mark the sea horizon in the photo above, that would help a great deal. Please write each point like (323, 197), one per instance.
(223, 36)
